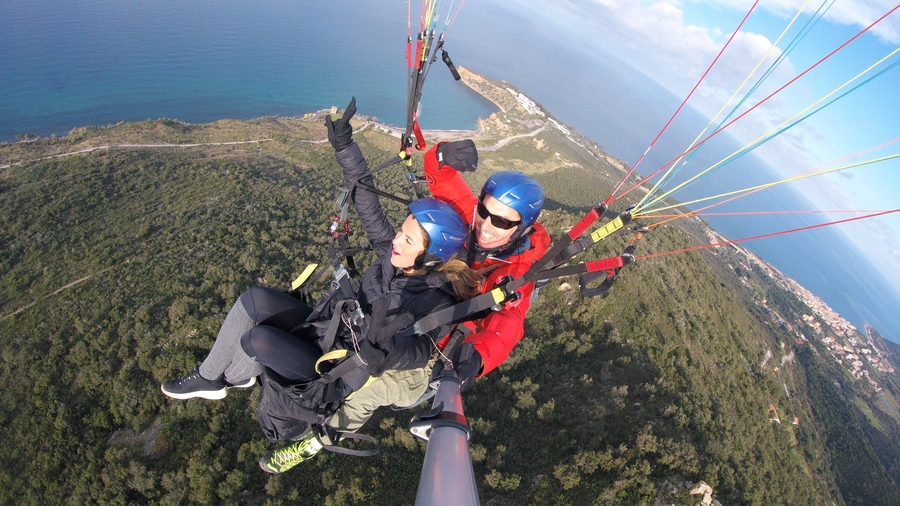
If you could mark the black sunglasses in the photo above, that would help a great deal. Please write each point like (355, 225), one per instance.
(497, 221)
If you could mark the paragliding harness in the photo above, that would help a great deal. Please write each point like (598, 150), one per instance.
(294, 410)
(290, 410)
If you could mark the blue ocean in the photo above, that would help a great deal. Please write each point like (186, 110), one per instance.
(70, 63)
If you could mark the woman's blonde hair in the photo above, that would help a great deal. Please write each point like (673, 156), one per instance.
(466, 282)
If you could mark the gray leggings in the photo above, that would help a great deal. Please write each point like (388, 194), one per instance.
(277, 311)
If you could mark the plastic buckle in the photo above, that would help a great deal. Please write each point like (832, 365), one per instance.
(427, 421)
(509, 297)
(339, 272)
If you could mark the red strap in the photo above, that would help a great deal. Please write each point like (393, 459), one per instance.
(584, 224)
(418, 52)
(420, 139)
(604, 264)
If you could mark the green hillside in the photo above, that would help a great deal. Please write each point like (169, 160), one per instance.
(119, 264)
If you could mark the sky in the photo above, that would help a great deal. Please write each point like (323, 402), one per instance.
(674, 42)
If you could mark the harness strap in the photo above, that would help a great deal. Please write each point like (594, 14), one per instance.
(337, 355)
(351, 362)
(328, 438)
(376, 191)
(504, 293)
(457, 335)
(457, 313)
(305, 280)
(333, 325)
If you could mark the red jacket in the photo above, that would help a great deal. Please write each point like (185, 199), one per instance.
(496, 334)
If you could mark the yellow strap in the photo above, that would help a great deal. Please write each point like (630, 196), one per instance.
(303, 276)
(405, 158)
(607, 229)
(331, 355)
(339, 354)
(499, 295)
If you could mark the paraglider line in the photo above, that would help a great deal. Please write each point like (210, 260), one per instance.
(708, 69)
(692, 148)
(850, 157)
(681, 162)
(763, 236)
(778, 130)
(768, 185)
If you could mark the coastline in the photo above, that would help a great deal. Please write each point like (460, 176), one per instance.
(518, 117)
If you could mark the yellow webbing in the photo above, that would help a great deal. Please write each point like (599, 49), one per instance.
(337, 355)
(607, 229)
(303, 276)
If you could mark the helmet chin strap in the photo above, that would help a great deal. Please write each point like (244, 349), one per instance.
(422, 262)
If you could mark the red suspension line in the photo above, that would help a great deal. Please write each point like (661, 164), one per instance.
(710, 136)
(763, 236)
(708, 69)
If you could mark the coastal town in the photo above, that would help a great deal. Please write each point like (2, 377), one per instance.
(863, 356)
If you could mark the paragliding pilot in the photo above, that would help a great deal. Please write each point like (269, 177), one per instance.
(504, 239)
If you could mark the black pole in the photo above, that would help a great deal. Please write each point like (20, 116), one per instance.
(448, 478)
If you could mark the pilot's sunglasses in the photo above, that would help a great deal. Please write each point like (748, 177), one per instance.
(497, 221)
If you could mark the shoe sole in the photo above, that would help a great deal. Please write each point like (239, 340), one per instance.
(213, 395)
(248, 384)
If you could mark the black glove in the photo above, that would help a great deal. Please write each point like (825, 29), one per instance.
(461, 155)
(467, 362)
(340, 132)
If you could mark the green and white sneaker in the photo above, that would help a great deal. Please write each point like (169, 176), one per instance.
(285, 458)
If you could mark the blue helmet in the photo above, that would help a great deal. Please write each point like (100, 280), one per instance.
(445, 228)
(518, 191)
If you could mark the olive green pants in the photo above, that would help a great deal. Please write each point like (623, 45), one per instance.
(398, 388)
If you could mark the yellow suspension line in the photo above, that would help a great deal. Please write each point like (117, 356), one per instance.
(697, 212)
(783, 123)
(769, 185)
(746, 79)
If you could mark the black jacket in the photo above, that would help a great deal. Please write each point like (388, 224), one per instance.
(418, 295)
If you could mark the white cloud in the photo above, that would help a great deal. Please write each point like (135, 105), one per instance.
(859, 13)
(655, 38)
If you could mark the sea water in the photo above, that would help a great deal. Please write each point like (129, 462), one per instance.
(75, 63)
(70, 63)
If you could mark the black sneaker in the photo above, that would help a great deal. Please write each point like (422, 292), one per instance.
(194, 385)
